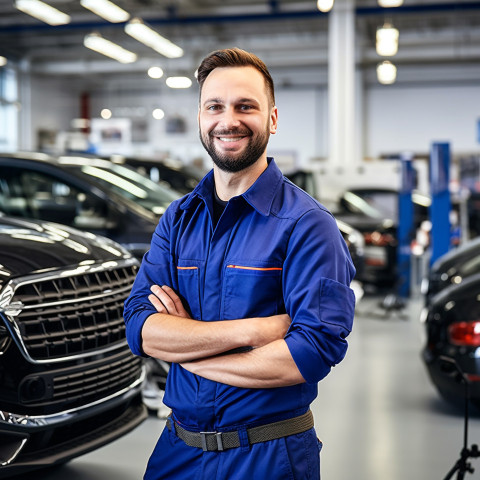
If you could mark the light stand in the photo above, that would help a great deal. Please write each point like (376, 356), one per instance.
(462, 465)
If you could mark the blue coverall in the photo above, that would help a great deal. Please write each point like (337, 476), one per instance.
(273, 250)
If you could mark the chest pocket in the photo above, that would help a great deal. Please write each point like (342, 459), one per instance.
(252, 291)
(188, 276)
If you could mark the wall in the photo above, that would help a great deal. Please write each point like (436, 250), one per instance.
(396, 118)
(54, 103)
(407, 117)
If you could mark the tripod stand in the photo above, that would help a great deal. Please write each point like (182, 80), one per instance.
(462, 465)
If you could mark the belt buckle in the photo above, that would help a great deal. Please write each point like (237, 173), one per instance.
(218, 437)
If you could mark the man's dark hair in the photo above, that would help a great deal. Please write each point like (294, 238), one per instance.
(235, 57)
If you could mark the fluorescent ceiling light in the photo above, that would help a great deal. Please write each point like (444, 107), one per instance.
(386, 72)
(144, 34)
(387, 41)
(390, 3)
(325, 5)
(178, 82)
(108, 48)
(106, 9)
(42, 11)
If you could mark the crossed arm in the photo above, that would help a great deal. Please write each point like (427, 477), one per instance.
(199, 346)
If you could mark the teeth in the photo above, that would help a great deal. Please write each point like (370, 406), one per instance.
(229, 139)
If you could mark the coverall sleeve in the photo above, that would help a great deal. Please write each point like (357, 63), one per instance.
(154, 270)
(317, 274)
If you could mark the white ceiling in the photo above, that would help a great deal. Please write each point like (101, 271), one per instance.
(287, 34)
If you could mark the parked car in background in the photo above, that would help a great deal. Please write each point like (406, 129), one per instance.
(353, 238)
(452, 268)
(452, 326)
(374, 212)
(68, 381)
(89, 194)
(171, 173)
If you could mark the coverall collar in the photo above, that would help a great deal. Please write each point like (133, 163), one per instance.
(260, 195)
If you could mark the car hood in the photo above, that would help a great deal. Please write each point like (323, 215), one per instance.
(29, 246)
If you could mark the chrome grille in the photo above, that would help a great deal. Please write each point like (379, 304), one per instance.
(88, 384)
(81, 385)
(71, 314)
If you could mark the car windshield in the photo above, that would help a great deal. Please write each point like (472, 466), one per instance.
(373, 204)
(127, 183)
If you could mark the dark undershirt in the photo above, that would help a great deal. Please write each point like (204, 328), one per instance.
(218, 207)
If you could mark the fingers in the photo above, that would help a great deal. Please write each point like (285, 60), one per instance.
(165, 300)
(157, 304)
(179, 309)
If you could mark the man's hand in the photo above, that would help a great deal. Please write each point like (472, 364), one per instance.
(165, 300)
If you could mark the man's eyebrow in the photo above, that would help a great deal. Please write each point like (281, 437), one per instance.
(212, 100)
(240, 100)
(248, 100)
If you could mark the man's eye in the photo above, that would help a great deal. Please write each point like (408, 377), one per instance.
(213, 107)
(245, 107)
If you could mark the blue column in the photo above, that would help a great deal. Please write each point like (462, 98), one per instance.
(440, 208)
(406, 228)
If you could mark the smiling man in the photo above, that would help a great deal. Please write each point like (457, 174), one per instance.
(246, 291)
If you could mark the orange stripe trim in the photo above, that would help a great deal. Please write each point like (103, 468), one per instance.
(254, 268)
(187, 268)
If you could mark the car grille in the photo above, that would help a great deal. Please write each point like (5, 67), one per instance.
(84, 384)
(94, 382)
(73, 314)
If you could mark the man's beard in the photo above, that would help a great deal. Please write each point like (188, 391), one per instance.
(236, 162)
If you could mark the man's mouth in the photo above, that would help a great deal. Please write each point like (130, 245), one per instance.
(230, 139)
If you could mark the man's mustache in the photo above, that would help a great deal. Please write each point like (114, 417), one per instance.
(219, 133)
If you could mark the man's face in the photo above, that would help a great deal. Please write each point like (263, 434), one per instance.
(235, 118)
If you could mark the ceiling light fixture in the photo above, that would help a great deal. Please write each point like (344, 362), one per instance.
(106, 113)
(325, 5)
(386, 72)
(42, 11)
(137, 29)
(106, 9)
(178, 82)
(158, 114)
(96, 42)
(387, 40)
(390, 3)
(155, 72)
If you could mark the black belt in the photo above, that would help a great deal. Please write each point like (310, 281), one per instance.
(219, 441)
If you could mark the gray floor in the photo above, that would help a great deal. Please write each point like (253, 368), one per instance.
(377, 414)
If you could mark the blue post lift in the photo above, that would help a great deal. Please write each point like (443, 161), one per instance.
(440, 207)
(405, 225)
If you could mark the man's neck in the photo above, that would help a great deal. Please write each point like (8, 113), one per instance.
(230, 185)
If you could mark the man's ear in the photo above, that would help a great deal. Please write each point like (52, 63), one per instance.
(273, 120)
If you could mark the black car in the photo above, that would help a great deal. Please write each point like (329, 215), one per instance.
(353, 238)
(171, 173)
(374, 212)
(68, 381)
(452, 324)
(452, 268)
(89, 194)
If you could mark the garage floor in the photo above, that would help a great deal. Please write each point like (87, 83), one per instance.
(377, 414)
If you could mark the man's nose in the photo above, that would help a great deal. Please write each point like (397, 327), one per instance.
(230, 118)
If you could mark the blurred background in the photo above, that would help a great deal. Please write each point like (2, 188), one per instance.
(379, 119)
